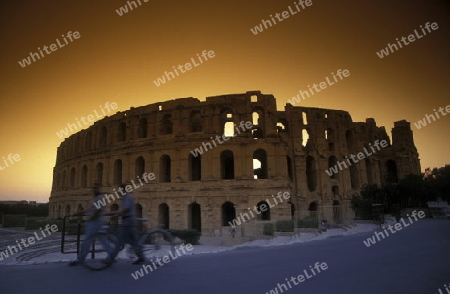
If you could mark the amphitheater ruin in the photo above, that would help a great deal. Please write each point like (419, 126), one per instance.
(238, 168)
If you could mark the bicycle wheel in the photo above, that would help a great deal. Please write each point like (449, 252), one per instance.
(98, 254)
(157, 243)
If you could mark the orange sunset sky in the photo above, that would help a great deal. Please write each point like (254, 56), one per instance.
(116, 58)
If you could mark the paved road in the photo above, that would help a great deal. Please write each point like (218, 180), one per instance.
(413, 260)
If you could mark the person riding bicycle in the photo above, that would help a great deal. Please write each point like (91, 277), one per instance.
(127, 232)
(93, 225)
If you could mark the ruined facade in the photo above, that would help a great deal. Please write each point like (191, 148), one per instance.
(282, 151)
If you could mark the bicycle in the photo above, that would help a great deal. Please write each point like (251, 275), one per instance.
(156, 242)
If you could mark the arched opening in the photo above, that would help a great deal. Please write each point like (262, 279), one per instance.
(337, 212)
(255, 118)
(227, 165)
(260, 164)
(264, 208)
(349, 139)
(103, 137)
(122, 132)
(194, 217)
(332, 164)
(304, 118)
(88, 141)
(58, 181)
(330, 137)
(391, 172)
(369, 171)
(289, 168)
(195, 121)
(118, 172)
(166, 124)
(257, 133)
(138, 208)
(115, 219)
(311, 173)
(99, 174)
(282, 125)
(80, 209)
(292, 210)
(335, 191)
(63, 183)
(142, 128)
(227, 123)
(58, 215)
(354, 177)
(305, 137)
(165, 169)
(313, 209)
(163, 215)
(228, 129)
(67, 211)
(195, 167)
(139, 168)
(84, 176)
(72, 178)
(228, 213)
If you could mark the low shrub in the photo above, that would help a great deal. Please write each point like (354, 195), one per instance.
(284, 226)
(14, 220)
(35, 224)
(268, 229)
(308, 222)
(188, 236)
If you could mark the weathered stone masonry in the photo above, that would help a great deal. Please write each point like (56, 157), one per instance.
(294, 148)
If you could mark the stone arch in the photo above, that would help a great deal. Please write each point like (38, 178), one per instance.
(164, 215)
(349, 138)
(311, 173)
(118, 172)
(139, 168)
(115, 219)
(142, 128)
(332, 163)
(289, 168)
(88, 141)
(282, 125)
(369, 171)
(138, 210)
(72, 178)
(354, 176)
(165, 167)
(103, 138)
(67, 210)
(264, 208)
(194, 216)
(195, 121)
(121, 132)
(313, 209)
(391, 172)
(337, 212)
(228, 213)
(330, 137)
(195, 167)
(64, 178)
(227, 165)
(227, 122)
(260, 164)
(99, 169)
(166, 124)
(84, 176)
